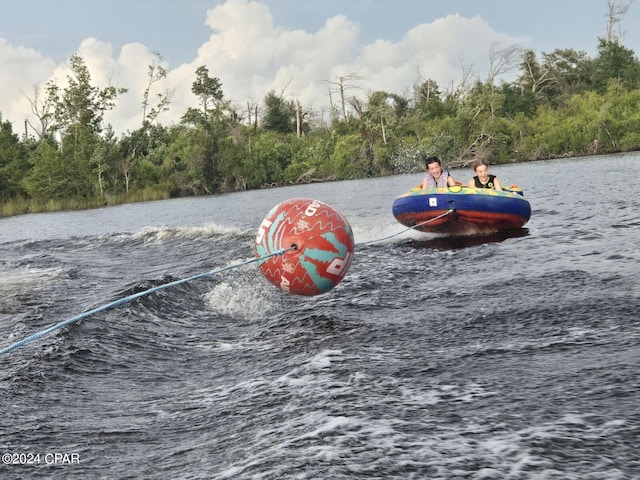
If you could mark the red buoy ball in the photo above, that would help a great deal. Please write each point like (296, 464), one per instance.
(319, 242)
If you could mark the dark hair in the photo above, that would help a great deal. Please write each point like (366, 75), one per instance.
(433, 159)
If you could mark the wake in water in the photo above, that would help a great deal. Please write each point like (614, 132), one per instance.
(434, 358)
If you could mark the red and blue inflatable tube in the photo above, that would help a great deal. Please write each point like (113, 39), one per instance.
(462, 210)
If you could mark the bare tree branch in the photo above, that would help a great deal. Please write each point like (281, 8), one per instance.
(616, 11)
(502, 60)
(341, 86)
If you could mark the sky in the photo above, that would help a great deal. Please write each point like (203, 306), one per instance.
(295, 48)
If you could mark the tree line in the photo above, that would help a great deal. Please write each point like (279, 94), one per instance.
(562, 103)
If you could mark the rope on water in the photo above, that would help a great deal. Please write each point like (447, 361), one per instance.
(135, 296)
(130, 298)
(451, 210)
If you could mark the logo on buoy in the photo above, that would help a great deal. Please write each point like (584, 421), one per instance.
(320, 242)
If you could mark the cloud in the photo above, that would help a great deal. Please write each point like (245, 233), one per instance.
(252, 55)
(22, 70)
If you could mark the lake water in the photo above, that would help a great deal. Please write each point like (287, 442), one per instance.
(504, 357)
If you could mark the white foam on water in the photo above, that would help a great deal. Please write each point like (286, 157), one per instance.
(227, 347)
(324, 359)
(17, 280)
(237, 299)
(385, 232)
(163, 233)
(309, 373)
(331, 427)
(327, 424)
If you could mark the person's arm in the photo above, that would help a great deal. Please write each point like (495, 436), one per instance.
(496, 184)
(472, 184)
(451, 181)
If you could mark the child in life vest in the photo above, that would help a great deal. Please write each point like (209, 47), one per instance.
(483, 179)
(437, 177)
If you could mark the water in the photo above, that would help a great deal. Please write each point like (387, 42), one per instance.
(507, 357)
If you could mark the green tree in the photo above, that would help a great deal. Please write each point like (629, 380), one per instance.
(49, 178)
(348, 158)
(571, 70)
(215, 123)
(184, 161)
(103, 163)
(534, 82)
(280, 115)
(428, 100)
(381, 123)
(310, 157)
(79, 113)
(80, 104)
(614, 61)
(155, 72)
(14, 164)
(261, 159)
(209, 92)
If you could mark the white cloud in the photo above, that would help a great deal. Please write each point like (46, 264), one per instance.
(251, 55)
(22, 70)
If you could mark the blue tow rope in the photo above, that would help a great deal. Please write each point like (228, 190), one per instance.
(130, 298)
